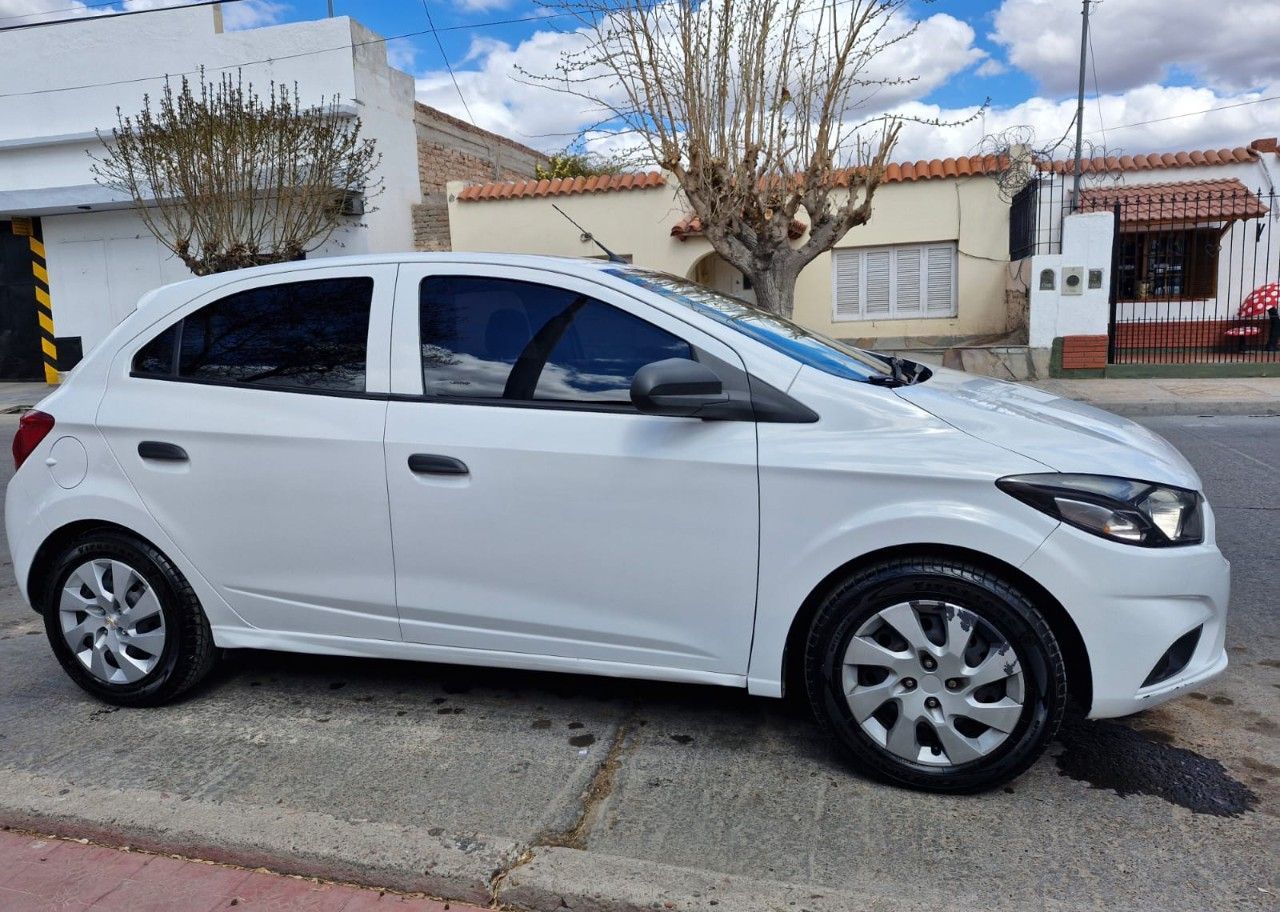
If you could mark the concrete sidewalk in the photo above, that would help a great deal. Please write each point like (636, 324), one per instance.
(1134, 398)
(39, 873)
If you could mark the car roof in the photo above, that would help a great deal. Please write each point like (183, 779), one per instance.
(189, 288)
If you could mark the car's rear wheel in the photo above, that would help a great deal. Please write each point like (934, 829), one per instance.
(935, 674)
(124, 622)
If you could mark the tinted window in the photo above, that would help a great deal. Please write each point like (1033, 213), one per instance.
(155, 359)
(486, 338)
(311, 335)
(780, 334)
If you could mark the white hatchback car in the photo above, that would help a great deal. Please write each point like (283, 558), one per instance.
(581, 466)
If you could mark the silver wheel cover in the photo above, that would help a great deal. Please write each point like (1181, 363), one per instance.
(111, 620)
(933, 683)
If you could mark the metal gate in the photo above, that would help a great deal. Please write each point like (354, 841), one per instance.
(1195, 273)
(22, 278)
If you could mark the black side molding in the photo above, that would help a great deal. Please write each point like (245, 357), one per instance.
(431, 464)
(166, 452)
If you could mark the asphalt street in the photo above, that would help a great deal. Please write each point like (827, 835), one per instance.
(471, 782)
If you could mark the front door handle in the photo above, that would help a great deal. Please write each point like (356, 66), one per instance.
(165, 452)
(431, 464)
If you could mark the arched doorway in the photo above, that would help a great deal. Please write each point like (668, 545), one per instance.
(714, 272)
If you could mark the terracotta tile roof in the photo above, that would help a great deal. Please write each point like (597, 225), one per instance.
(563, 186)
(897, 172)
(964, 166)
(1220, 200)
(894, 173)
(691, 226)
(1155, 161)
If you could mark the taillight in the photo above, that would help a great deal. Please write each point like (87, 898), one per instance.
(32, 428)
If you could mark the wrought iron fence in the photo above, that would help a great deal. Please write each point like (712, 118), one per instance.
(1196, 264)
(1035, 215)
(1195, 272)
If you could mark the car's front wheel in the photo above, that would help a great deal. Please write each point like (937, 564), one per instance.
(123, 621)
(935, 674)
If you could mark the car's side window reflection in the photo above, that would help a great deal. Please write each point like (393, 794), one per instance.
(310, 335)
(490, 338)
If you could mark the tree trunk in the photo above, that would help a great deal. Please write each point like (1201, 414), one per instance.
(775, 289)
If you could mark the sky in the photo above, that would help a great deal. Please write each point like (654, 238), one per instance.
(1163, 74)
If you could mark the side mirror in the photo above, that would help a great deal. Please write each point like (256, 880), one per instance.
(678, 387)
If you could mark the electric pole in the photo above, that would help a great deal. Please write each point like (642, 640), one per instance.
(1084, 47)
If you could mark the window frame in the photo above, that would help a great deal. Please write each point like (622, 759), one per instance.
(376, 340)
(893, 313)
(1201, 266)
(406, 363)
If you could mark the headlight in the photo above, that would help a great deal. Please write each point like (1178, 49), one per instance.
(1121, 509)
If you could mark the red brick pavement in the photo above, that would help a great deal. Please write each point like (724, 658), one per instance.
(53, 875)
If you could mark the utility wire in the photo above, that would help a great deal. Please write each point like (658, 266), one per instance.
(59, 9)
(447, 65)
(1238, 104)
(475, 25)
(1097, 92)
(119, 15)
(244, 63)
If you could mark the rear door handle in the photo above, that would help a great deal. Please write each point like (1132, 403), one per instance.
(431, 464)
(166, 452)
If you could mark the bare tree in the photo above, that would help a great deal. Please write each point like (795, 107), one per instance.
(752, 106)
(226, 178)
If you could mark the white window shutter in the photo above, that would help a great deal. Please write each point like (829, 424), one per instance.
(908, 290)
(940, 288)
(877, 300)
(848, 278)
(908, 281)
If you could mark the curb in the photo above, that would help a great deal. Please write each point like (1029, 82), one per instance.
(1203, 408)
(495, 873)
(560, 879)
(407, 858)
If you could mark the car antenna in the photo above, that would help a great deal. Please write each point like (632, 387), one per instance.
(588, 236)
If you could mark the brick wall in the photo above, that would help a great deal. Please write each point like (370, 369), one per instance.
(1182, 333)
(1084, 352)
(450, 149)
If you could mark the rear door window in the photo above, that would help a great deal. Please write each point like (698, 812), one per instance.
(310, 335)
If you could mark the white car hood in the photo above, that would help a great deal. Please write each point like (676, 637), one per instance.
(1063, 434)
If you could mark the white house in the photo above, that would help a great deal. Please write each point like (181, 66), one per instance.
(931, 267)
(73, 259)
(1195, 238)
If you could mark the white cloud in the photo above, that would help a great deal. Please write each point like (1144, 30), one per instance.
(1050, 118)
(503, 100)
(991, 67)
(401, 54)
(22, 12)
(481, 6)
(249, 14)
(1227, 47)
(941, 47)
(242, 15)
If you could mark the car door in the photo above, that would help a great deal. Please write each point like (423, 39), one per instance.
(534, 511)
(251, 425)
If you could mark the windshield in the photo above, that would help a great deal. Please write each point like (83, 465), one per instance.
(776, 332)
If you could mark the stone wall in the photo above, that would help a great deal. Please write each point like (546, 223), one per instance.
(451, 149)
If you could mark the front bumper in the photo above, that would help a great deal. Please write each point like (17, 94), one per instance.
(1131, 604)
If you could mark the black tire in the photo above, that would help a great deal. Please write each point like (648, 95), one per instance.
(188, 653)
(994, 601)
